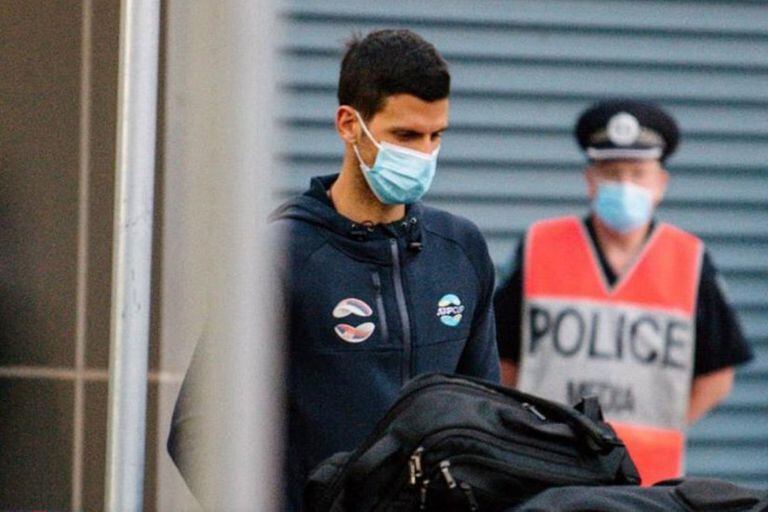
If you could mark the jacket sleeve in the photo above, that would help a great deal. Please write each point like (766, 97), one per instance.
(507, 307)
(720, 340)
(186, 439)
(481, 357)
(190, 443)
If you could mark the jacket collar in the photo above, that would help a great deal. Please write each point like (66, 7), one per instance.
(315, 207)
(407, 228)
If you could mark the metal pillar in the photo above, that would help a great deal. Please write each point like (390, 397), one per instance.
(134, 196)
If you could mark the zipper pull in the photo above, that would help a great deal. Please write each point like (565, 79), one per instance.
(414, 465)
(533, 410)
(474, 506)
(446, 471)
(423, 495)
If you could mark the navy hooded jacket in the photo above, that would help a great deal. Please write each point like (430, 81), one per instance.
(368, 308)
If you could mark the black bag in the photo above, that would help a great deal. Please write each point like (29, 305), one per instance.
(683, 495)
(453, 444)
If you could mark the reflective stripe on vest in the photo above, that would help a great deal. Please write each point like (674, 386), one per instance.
(631, 344)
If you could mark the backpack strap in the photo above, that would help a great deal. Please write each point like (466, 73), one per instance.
(713, 494)
(762, 505)
(589, 406)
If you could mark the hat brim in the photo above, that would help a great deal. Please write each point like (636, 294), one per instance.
(622, 153)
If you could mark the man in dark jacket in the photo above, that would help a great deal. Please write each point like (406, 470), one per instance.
(378, 287)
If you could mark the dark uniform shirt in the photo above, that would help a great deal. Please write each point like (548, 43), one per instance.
(720, 342)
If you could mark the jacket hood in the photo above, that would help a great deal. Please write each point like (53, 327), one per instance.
(314, 207)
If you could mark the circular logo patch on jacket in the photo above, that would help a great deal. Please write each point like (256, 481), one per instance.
(449, 310)
(352, 333)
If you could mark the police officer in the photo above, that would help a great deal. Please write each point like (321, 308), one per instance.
(379, 287)
(618, 304)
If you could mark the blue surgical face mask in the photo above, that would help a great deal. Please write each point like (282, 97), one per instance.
(399, 175)
(623, 206)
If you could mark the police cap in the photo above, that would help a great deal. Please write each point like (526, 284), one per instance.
(623, 128)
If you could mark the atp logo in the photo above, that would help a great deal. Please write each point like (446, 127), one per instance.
(449, 310)
(351, 333)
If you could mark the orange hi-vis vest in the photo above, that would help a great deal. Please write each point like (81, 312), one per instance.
(631, 344)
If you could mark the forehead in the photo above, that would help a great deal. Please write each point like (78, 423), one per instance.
(628, 165)
(404, 111)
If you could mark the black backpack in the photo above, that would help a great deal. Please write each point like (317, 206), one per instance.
(451, 443)
(682, 495)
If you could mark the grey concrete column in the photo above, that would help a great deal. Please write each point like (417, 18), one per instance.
(219, 157)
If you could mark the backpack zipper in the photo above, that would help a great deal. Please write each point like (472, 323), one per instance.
(443, 472)
(504, 468)
(429, 442)
(414, 466)
(445, 469)
(533, 410)
(452, 483)
(469, 494)
(563, 460)
(330, 493)
(423, 494)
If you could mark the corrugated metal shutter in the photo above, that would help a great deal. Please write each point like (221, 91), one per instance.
(522, 70)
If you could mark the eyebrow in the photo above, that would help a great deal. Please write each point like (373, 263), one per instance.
(411, 130)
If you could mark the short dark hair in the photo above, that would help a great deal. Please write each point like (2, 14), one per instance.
(388, 62)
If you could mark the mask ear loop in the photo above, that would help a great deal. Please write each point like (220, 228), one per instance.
(379, 145)
(365, 167)
(365, 129)
(360, 161)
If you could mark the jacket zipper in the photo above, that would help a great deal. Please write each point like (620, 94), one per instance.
(402, 309)
(380, 306)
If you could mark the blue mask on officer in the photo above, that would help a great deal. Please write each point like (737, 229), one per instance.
(623, 206)
(399, 175)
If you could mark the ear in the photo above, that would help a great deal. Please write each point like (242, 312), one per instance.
(662, 181)
(347, 124)
(590, 177)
